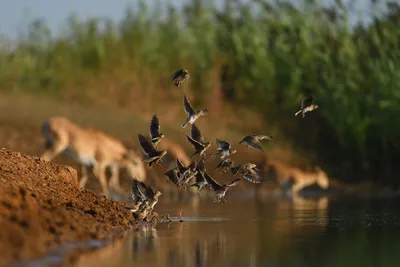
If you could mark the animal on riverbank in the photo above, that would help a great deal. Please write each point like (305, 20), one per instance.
(296, 178)
(90, 148)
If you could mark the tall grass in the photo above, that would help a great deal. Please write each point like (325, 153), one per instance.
(256, 55)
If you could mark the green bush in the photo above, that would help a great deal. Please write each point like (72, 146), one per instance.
(269, 58)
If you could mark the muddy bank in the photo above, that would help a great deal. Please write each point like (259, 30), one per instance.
(41, 207)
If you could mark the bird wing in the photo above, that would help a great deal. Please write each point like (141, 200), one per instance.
(254, 143)
(307, 101)
(146, 145)
(199, 177)
(234, 182)
(135, 193)
(214, 185)
(201, 166)
(246, 139)
(172, 174)
(193, 165)
(236, 169)
(145, 190)
(224, 145)
(195, 134)
(188, 108)
(221, 163)
(154, 127)
(194, 143)
(253, 177)
(177, 74)
(265, 137)
(181, 168)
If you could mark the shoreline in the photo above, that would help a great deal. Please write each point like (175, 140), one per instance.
(42, 208)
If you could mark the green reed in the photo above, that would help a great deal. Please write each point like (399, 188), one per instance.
(266, 58)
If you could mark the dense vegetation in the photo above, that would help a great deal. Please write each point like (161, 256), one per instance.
(266, 58)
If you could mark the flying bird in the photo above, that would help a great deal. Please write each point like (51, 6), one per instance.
(155, 134)
(254, 140)
(224, 165)
(307, 105)
(151, 153)
(191, 113)
(180, 76)
(186, 173)
(220, 190)
(197, 141)
(224, 149)
(244, 168)
(174, 176)
(200, 181)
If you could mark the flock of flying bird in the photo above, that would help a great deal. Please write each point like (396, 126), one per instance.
(143, 196)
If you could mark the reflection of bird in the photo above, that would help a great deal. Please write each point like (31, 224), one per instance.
(192, 114)
(180, 76)
(151, 153)
(254, 140)
(307, 105)
(200, 180)
(224, 149)
(155, 134)
(197, 141)
(220, 190)
(224, 165)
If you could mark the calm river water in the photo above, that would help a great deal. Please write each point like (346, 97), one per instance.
(263, 231)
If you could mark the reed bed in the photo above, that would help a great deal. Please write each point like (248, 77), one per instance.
(258, 56)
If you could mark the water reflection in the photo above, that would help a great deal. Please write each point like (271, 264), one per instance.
(265, 231)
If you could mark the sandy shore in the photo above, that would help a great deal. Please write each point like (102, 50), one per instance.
(42, 207)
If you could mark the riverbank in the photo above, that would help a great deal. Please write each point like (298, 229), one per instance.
(41, 207)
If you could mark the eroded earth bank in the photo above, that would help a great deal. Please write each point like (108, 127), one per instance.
(42, 207)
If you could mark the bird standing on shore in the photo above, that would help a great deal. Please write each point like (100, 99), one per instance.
(151, 153)
(155, 134)
(307, 105)
(180, 76)
(224, 149)
(197, 141)
(191, 113)
(254, 140)
(144, 198)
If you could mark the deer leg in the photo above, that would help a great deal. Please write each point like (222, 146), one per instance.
(84, 178)
(100, 172)
(114, 181)
(52, 151)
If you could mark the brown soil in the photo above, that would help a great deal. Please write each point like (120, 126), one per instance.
(41, 207)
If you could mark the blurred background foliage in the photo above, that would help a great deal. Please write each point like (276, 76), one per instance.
(261, 56)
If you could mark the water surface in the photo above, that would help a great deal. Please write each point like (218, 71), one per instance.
(267, 231)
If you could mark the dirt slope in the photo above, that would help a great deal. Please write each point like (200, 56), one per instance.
(42, 207)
